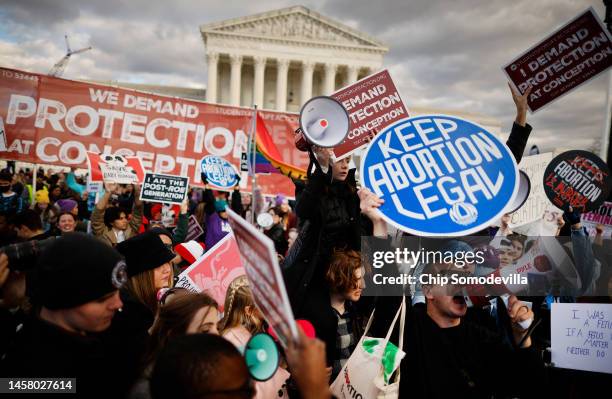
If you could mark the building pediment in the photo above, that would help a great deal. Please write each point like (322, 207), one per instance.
(295, 24)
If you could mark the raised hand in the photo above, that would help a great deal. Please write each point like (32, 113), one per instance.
(520, 101)
(323, 156)
(369, 204)
(519, 313)
(306, 358)
(110, 187)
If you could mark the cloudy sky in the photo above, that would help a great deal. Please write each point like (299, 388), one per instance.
(443, 53)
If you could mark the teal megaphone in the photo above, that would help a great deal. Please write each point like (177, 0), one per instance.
(261, 356)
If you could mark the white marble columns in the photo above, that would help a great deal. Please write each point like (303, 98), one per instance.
(329, 80)
(211, 88)
(282, 66)
(352, 73)
(258, 81)
(304, 79)
(235, 75)
(306, 89)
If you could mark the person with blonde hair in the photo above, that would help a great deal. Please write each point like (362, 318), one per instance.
(241, 320)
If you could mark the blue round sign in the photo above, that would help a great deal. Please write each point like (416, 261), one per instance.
(440, 175)
(219, 172)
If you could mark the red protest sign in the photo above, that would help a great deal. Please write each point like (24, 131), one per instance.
(372, 103)
(56, 121)
(114, 168)
(194, 230)
(569, 57)
(265, 278)
(215, 270)
(601, 216)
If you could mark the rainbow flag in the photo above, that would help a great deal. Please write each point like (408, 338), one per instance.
(268, 158)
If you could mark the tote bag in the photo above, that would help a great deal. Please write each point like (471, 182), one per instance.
(367, 372)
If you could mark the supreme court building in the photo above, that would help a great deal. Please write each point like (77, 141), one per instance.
(279, 59)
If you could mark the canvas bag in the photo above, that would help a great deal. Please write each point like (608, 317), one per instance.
(367, 371)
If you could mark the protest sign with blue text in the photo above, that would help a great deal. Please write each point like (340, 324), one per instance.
(440, 175)
(581, 336)
(219, 172)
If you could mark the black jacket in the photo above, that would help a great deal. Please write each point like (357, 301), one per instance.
(277, 234)
(518, 140)
(43, 349)
(329, 216)
(467, 361)
(127, 338)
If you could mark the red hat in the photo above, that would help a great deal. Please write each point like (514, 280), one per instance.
(156, 209)
(306, 326)
(190, 250)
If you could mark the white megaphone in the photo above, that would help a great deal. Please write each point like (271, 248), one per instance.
(323, 122)
(265, 220)
(522, 194)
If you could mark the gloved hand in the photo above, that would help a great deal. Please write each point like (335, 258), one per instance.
(572, 216)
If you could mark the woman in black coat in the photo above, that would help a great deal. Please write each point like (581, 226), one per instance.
(329, 216)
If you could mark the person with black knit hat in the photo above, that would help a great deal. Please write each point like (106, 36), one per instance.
(79, 278)
(148, 270)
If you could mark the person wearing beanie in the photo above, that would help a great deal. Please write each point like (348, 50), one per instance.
(77, 303)
(169, 239)
(189, 252)
(68, 205)
(111, 224)
(42, 197)
(149, 269)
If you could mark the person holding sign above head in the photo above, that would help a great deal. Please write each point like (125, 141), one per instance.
(517, 141)
(216, 216)
(328, 212)
(111, 224)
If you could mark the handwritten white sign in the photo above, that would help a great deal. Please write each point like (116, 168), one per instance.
(581, 336)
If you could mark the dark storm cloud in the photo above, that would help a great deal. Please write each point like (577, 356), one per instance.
(443, 54)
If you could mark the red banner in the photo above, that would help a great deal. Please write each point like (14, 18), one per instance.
(56, 121)
(569, 57)
(372, 103)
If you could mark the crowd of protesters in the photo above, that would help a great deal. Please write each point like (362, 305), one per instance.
(92, 296)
